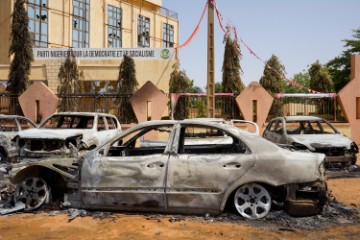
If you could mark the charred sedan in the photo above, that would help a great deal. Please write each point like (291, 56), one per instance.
(313, 134)
(179, 166)
(66, 132)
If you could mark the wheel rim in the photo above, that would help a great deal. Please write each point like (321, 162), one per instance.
(252, 201)
(34, 192)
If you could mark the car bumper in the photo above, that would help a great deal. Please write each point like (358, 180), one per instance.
(306, 200)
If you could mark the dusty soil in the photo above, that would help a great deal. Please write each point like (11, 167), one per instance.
(339, 220)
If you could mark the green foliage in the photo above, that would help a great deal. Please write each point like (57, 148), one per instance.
(271, 79)
(21, 49)
(127, 84)
(179, 83)
(302, 78)
(231, 80)
(273, 82)
(127, 81)
(218, 87)
(339, 68)
(320, 79)
(69, 76)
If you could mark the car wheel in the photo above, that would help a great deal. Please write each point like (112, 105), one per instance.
(33, 192)
(252, 201)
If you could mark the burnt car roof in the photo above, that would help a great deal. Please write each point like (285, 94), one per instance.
(301, 118)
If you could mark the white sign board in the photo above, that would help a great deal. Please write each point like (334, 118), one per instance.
(105, 53)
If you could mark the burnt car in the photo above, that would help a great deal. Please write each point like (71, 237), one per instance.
(64, 133)
(10, 125)
(313, 134)
(195, 167)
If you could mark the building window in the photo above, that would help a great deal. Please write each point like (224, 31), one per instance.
(80, 32)
(114, 27)
(38, 22)
(168, 35)
(143, 32)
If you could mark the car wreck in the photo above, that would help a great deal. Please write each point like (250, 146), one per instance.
(191, 167)
(65, 133)
(313, 134)
(10, 125)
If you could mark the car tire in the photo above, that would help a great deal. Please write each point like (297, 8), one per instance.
(252, 201)
(34, 192)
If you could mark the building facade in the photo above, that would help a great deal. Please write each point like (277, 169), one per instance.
(94, 24)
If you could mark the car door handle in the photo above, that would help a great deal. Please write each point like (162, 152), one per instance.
(156, 165)
(233, 165)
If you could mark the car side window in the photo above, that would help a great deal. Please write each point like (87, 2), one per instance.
(146, 141)
(101, 124)
(197, 139)
(25, 124)
(8, 125)
(279, 127)
(111, 123)
(271, 126)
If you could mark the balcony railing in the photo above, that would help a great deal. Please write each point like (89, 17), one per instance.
(168, 13)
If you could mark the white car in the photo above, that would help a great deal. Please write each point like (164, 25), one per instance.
(313, 134)
(65, 133)
(10, 125)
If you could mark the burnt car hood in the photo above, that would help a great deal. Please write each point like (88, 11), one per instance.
(323, 140)
(49, 133)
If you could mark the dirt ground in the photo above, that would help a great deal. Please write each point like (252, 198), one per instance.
(340, 220)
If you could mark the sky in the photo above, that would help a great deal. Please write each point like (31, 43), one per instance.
(298, 32)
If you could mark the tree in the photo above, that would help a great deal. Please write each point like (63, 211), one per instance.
(320, 79)
(273, 82)
(339, 68)
(21, 49)
(302, 78)
(272, 79)
(231, 80)
(179, 83)
(69, 76)
(127, 84)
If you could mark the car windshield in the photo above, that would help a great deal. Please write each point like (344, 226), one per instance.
(309, 127)
(69, 122)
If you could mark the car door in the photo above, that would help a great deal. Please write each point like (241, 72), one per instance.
(127, 175)
(275, 132)
(107, 128)
(208, 161)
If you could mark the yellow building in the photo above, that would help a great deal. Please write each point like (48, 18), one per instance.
(103, 25)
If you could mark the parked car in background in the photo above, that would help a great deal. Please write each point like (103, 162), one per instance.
(66, 133)
(10, 125)
(315, 135)
(197, 167)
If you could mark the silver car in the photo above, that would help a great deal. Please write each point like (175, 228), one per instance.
(313, 134)
(191, 167)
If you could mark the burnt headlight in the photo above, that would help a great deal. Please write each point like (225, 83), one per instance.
(354, 147)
